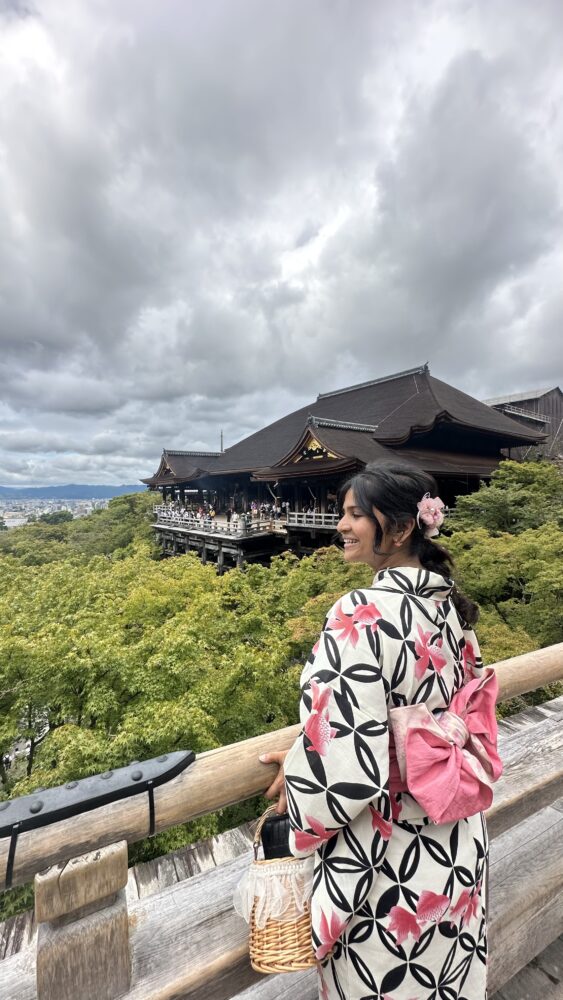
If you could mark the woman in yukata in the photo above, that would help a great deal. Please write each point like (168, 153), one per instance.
(388, 779)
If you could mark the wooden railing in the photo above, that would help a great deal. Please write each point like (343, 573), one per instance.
(84, 941)
(212, 525)
(305, 520)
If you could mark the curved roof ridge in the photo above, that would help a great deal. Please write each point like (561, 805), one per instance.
(376, 381)
(193, 454)
(341, 425)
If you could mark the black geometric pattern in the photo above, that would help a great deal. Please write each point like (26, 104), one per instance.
(398, 902)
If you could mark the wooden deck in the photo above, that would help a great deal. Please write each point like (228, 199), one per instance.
(542, 979)
(522, 865)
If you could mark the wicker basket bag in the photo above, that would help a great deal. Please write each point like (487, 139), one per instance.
(274, 897)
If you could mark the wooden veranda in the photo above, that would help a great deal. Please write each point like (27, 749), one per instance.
(100, 938)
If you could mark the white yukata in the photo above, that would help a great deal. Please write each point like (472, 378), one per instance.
(398, 906)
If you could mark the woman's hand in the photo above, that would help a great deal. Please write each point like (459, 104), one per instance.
(278, 784)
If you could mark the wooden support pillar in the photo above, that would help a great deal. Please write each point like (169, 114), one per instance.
(83, 929)
(240, 559)
(220, 559)
(203, 553)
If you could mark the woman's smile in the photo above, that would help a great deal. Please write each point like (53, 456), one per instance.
(357, 531)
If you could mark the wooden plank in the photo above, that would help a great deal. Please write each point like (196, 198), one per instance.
(217, 779)
(530, 984)
(17, 933)
(287, 987)
(177, 934)
(86, 958)
(526, 908)
(131, 889)
(152, 876)
(532, 714)
(551, 961)
(80, 882)
(192, 860)
(18, 977)
(531, 779)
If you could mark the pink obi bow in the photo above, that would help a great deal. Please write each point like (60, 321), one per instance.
(448, 762)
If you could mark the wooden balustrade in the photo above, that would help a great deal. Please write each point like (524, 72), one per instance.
(188, 942)
(217, 779)
(212, 526)
(303, 519)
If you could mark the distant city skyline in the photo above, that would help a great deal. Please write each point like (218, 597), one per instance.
(67, 491)
(212, 212)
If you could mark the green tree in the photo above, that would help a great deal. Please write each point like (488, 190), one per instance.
(57, 517)
(521, 495)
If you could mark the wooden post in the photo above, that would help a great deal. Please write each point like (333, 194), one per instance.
(83, 930)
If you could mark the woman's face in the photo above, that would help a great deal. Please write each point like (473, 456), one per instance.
(358, 533)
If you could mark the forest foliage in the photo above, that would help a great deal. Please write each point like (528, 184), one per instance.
(110, 654)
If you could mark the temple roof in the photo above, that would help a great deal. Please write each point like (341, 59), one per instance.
(521, 397)
(182, 466)
(359, 423)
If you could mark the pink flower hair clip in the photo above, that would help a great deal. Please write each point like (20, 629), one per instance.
(431, 514)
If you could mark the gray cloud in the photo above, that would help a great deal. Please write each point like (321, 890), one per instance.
(211, 212)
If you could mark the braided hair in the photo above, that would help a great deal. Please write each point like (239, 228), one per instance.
(395, 488)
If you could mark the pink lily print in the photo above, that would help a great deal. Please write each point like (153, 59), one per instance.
(430, 909)
(329, 932)
(379, 824)
(466, 906)
(469, 661)
(460, 908)
(366, 615)
(396, 806)
(428, 653)
(317, 726)
(403, 923)
(343, 623)
(310, 841)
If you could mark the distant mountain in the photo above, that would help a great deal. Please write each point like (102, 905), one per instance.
(70, 492)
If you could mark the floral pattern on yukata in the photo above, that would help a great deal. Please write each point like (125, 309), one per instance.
(398, 902)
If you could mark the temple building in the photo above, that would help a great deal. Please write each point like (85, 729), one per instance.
(303, 458)
(537, 409)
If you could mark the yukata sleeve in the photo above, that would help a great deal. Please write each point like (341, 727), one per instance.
(339, 764)
(471, 655)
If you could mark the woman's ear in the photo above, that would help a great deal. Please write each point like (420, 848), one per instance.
(404, 531)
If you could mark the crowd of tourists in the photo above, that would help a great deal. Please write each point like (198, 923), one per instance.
(207, 517)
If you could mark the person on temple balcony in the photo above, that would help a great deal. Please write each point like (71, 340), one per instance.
(390, 775)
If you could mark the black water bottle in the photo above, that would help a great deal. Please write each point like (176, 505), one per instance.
(275, 836)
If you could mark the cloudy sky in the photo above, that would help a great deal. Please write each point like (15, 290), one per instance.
(212, 210)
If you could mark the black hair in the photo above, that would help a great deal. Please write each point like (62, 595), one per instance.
(395, 488)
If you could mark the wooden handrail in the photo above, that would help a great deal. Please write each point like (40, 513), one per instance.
(217, 779)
